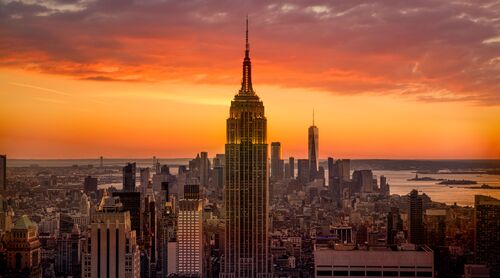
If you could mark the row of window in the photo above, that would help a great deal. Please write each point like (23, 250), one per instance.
(373, 273)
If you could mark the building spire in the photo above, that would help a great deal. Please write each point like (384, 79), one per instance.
(247, 45)
(246, 82)
(313, 116)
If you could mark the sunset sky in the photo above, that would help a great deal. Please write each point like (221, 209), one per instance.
(121, 78)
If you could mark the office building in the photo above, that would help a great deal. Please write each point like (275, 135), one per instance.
(246, 248)
(129, 177)
(313, 150)
(343, 261)
(190, 233)
(90, 185)
(149, 240)
(277, 163)
(476, 271)
(303, 173)
(218, 173)
(109, 248)
(131, 202)
(204, 169)
(144, 179)
(415, 218)
(384, 187)
(363, 181)
(23, 249)
(6, 216)
(68, 253)
(3, 173)
(167, 240)
(435, 227)
(291, 164)
(394, 225)
(487, 236)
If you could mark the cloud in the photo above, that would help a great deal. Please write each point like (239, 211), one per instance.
(417, 49)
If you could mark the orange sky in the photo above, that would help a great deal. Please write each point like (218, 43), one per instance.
(134, 84)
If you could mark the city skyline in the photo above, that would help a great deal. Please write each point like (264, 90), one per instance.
(369, 92)
(404, 180)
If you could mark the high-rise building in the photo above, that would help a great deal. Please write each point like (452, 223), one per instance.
(331, 164)
(90, 185)
(487, 233)
(109, 248)
(313, 150)
(384, 186)
(68, 253)
(190, 233)
(303, 173)
(131, 202)
(363, 181)
(416, 218)
(23, 249)
(218, 172)
(3, 173)
(149, 231)
(144, 179)
(276, 162)
(129, 177)
(101, 162)
(394, 225)
(167, 238)
(435, 226)
(6, 216)
(246, 198)
(291, 164)
(204, 169)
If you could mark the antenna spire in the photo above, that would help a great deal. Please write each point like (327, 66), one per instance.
(246, 83)
(313, 116)
(247, 45)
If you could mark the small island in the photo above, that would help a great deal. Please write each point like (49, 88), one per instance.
(417, 178)
(457, 182)
(484, 186)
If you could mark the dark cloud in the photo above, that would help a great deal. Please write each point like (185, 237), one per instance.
(431, 50)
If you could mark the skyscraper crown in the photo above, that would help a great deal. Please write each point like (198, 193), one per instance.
(246, 83)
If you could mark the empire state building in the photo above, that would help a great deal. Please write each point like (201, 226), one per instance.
(246, 248)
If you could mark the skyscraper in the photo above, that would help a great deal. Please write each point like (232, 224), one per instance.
(363, 181)
(23, 250)
(167, 239)
(313, 150)
(276, 161)
(190, 233)
(416, 218)
(131, 202)
(144, 173)
(291, 164)
(487, 234)
(110, 249)
(3, 173)
(129, 177)
(90, 184)
(303, 173)
(68, 255)
(246, 248)
(394, 225)
(204, 169)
